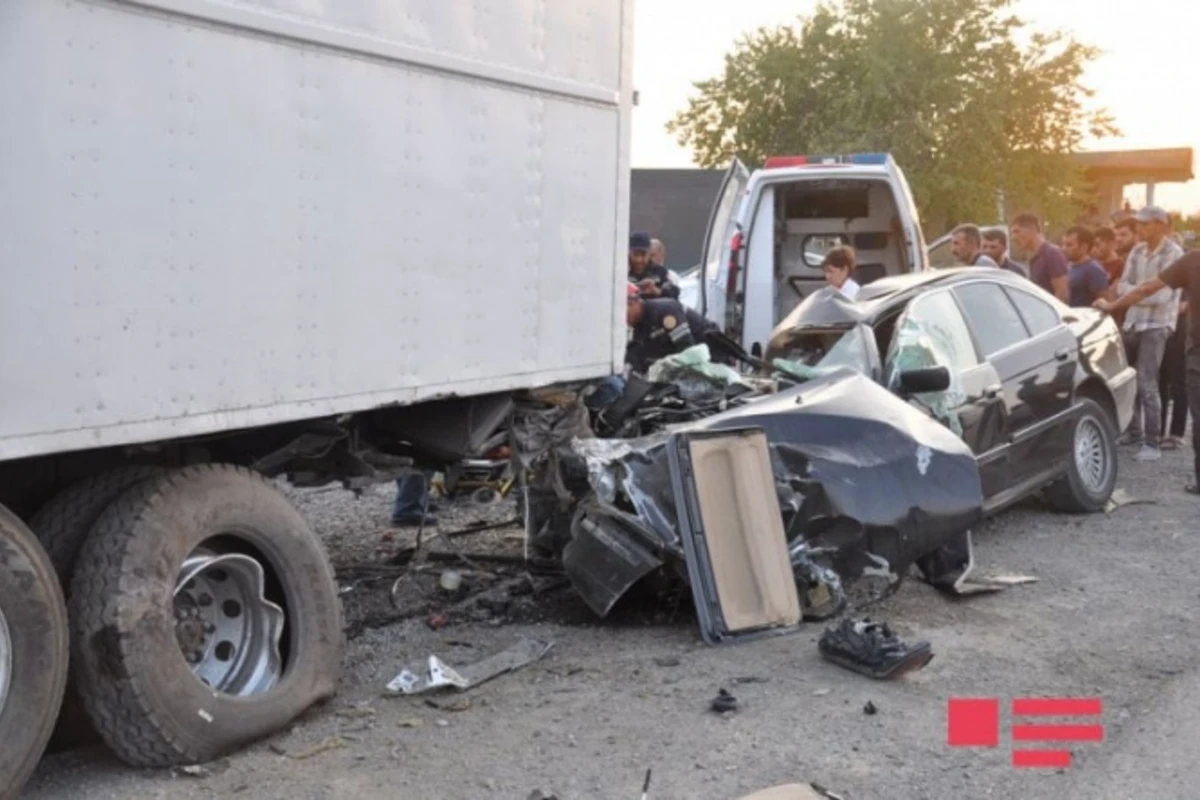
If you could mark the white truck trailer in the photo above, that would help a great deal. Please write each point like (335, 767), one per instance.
(252, 238)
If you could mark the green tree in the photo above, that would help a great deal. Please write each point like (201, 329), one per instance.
(946, 86)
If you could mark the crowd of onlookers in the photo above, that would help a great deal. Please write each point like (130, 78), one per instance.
(1103, 266)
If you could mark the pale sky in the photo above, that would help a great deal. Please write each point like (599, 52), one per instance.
(1146, 76)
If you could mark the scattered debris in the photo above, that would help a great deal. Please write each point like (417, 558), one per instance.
(437, 622)
(455, 704)
(646, 786)
(870, 648)
(415, 679)
(194, 771)
(667, 661)
(750, 679)
(355, 712)
(450, 581)
(870, 709)
(443, 723)
(950, 569)
(537, 794)
(1121, 498)
(724, 702)
(410, 722)
(821, 692)
(794, 791)
(990, 584)
(323, 746)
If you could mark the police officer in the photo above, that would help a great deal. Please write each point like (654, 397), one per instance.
(653, 280)
(661, 327)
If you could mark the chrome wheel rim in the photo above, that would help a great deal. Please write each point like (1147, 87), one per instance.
(6, 657)
(227, 629)
(1091, 456)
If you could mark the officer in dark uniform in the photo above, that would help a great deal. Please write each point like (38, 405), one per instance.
(653, 280)
(661, 327)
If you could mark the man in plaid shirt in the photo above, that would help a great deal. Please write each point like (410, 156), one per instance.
(1148, 325)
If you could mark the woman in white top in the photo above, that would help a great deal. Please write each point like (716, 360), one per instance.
(838, 266)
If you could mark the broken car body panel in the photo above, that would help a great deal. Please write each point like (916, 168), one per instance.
(858, 473)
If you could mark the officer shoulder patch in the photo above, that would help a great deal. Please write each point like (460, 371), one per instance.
(669, 322)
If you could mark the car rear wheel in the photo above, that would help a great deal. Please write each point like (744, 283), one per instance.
(1091, 464)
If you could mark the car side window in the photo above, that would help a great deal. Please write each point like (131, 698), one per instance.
(1039, 315)
(992, 317)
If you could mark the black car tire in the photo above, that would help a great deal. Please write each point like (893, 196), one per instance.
(34, 652)
(1091, 474)
(62, 526)
(140, 692)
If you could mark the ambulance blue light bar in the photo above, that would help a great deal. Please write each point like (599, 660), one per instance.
(861, 159)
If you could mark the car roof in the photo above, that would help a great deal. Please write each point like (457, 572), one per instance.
(884, 295)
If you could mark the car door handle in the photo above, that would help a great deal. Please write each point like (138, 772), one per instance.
(1062, 353)
(993, 391)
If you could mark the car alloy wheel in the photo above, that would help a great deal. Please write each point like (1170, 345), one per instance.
(1091, 455)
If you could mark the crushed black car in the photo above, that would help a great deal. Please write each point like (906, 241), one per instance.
(1037, 389)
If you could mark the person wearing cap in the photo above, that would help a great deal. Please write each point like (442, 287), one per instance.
(652, 280)
(1183, 276)
(1149, 323)
(659, 327)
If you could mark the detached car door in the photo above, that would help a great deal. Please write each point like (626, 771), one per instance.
(932, 332)
(1036, 356)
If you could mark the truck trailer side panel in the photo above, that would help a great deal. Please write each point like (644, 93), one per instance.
(219, 215)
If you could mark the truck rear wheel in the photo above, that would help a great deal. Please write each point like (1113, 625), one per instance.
(205, 616)
(33, 651)
(61, 526)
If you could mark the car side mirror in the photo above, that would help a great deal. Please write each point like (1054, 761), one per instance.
(928, 379)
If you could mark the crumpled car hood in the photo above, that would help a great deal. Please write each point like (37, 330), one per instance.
(857, 470)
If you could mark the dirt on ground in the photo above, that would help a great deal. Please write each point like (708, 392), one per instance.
(1110, 616)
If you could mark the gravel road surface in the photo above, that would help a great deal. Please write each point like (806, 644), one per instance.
(1111, 616)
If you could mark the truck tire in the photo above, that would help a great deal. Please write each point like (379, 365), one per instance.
(33, 652)
(61, 526)
(1091, 464)
(205, 616)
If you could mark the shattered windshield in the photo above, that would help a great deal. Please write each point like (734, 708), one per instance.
(933, 333)
(820, 352)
